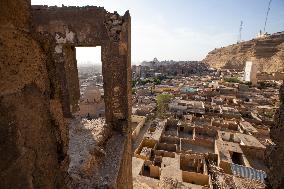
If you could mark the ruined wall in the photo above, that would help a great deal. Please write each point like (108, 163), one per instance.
(89, 26)
(71, 69)
(32, 130)
(15, 14)
(267, 52)
(275, 154)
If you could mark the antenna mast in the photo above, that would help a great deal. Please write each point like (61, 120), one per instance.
(268, 9)
(240, 32)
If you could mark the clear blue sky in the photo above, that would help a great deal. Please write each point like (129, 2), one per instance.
(185, 29)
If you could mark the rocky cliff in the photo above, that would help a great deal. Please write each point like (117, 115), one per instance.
(267, 52)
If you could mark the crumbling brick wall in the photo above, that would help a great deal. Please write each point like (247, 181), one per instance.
(33, 134)
(275, 153)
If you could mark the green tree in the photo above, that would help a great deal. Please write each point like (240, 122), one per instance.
(134, 82)
(232, 80)
(157, 81)
(162, 103)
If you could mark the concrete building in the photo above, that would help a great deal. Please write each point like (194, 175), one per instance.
(250, 72)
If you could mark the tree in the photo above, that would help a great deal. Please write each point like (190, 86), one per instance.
(232, 80)
(134, 82)
(162, 103)
(157, 81)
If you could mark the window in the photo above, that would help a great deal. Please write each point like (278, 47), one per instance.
(91, 82)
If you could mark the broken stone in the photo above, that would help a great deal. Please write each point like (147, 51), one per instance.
(116, 22)
(113, 17)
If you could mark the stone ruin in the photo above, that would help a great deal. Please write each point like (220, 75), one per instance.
(39, 90)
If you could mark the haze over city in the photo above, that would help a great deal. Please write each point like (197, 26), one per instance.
(184, 29)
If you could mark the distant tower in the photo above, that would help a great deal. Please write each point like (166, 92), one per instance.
(267, 12)
(240, 32)
(250, 72)
(156, 60)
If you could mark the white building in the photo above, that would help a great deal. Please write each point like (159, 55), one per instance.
(250, 72)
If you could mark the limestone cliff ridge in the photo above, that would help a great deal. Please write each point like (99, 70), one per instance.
(267, 52)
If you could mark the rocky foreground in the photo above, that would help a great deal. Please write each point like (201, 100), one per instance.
(93, 154)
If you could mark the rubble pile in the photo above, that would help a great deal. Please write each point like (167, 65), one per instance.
(86, 138)
(95, 153)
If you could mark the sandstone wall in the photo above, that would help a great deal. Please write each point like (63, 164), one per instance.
(267, 52)
(32, 130)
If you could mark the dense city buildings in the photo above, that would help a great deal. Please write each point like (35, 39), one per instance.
(206, 129)
(197, 128)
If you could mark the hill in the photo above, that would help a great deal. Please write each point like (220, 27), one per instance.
(267, 52)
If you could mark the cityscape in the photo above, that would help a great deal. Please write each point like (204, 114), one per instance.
(83, 107)
(199, 125)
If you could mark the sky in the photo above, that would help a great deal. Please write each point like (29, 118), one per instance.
(183, 29)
